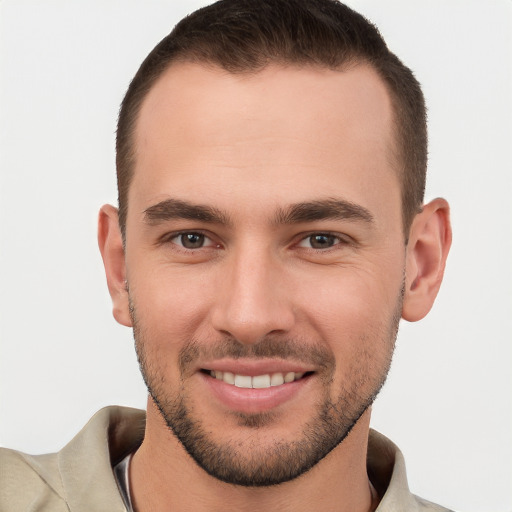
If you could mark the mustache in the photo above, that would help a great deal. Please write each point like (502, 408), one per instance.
(270, 347)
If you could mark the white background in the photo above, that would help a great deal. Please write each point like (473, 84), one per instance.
(64, 68)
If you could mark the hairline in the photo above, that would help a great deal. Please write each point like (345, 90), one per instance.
(396, 152)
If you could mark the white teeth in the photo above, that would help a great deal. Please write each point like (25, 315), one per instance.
(277, 379)
(243, 381)
(289, 377)
(229, 377)
(261, 381)
(258, 381)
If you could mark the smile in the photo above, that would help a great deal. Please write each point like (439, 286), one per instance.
(255, 387)
(257, 381)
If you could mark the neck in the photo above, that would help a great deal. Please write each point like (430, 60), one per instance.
(164, 477)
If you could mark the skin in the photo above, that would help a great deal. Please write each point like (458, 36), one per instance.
(250, 147)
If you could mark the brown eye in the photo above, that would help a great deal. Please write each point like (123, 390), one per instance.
(190, 240)
(321, 241)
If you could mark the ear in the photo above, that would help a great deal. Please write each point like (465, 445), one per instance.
(112, 252)
(430, 238)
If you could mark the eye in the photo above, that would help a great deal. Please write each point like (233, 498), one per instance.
(320, 241)
(191, 240)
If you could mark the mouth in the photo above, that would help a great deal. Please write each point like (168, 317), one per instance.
(263, 381)
(255, 386)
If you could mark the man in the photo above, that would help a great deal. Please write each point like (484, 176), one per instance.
(271, 232)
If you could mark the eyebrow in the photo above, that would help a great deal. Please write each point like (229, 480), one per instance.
(331, 208)
(171, 209)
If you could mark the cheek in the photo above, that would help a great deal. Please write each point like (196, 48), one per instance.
(355, 313)
(351, 299)
(172, 302)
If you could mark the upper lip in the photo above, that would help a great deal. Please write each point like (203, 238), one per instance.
(255, 367)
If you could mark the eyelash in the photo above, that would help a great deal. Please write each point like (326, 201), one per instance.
(337, 238)
(168, 238)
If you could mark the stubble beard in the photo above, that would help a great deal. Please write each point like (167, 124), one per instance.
(247, 462)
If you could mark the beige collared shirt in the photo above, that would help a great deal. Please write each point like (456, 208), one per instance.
(79, 478)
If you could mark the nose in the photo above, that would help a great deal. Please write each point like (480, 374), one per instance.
(253, 299)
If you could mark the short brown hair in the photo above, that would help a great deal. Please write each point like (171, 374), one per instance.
(244, 36)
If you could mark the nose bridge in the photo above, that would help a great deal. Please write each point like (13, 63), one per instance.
(252, 301)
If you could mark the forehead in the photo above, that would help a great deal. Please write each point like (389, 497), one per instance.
(283, 127)
(191, 92)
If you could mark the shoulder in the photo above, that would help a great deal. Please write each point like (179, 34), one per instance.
(78, 477)
(386, 469)
(427, 506)
(30, 482)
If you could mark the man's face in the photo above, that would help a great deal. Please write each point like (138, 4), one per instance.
(265, 261)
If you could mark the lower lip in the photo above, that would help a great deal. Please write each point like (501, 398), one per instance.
(251, 400)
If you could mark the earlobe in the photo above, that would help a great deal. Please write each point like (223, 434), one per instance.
(430, 239)
(112, 251)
